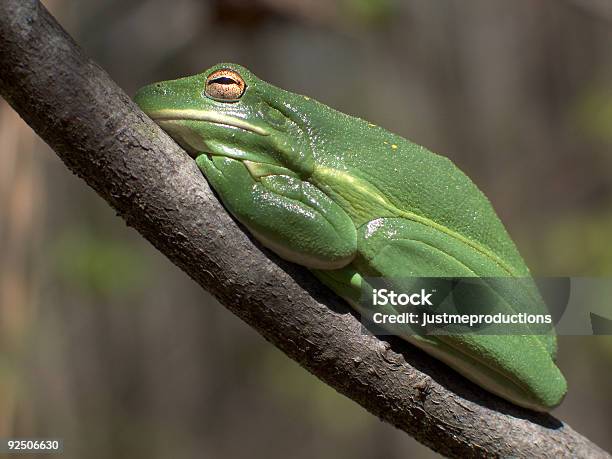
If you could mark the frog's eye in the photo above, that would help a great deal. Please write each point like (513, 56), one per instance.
(224, 85)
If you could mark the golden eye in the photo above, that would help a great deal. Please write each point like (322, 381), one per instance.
(225, 85)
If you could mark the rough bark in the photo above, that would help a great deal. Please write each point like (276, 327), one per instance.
(104, 138)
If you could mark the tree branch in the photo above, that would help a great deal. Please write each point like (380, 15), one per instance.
(105, 139)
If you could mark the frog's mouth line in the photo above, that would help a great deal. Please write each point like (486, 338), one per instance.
(170, 121)
(202, 115)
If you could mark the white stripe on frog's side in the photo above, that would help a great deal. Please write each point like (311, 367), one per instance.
(204, 115)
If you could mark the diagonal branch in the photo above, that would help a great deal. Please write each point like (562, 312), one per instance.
(105, 139)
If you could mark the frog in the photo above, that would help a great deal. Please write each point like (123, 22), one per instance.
(351, 201)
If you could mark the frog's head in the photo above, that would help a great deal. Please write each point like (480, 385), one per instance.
(228, 111)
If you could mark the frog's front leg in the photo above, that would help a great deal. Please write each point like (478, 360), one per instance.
(289, 216)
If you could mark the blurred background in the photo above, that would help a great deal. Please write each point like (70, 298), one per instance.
(106, 344)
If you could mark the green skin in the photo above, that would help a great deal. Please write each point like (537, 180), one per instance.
(348, 199)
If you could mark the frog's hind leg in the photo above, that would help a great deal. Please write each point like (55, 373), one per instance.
(401, 248)
(397, 247)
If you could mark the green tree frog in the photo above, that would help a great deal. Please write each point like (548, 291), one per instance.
(349, 200)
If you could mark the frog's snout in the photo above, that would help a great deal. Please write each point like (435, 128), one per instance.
(147, 95)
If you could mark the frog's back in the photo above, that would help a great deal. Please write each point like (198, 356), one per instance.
(421, 182)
